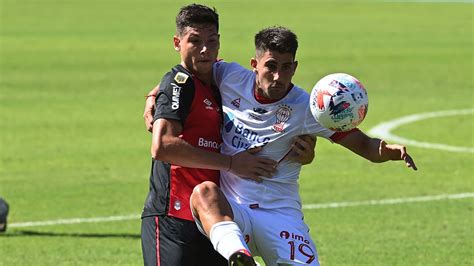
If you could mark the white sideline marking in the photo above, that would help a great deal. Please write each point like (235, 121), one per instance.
(388, 201)
(77, 221)
(307, 206)
(383, 130)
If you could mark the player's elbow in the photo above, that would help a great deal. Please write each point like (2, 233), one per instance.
(157, 150)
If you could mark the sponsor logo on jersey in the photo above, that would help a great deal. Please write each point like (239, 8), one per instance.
(175, 96)
(228, 121)
(208, 144)
(286, 235)
(181, 77)
(255, 117)
(282, 115)
(243, 138)
(208, 104)
(236, 102)
(259, 110)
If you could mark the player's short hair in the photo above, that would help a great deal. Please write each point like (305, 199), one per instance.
(196, 15)
(276, 38)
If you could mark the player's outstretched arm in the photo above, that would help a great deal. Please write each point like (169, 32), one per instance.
(376, 150)
(397, 151)
(150, 108)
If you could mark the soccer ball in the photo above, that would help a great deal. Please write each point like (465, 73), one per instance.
(339, 102)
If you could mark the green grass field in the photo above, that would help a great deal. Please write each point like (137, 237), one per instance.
(73, 144)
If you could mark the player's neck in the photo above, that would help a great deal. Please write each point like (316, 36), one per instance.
(264, 98)
(204, 78)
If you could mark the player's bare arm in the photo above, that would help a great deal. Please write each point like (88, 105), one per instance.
(302, 150)
(376, 150)
(149, 108)
(168, 147)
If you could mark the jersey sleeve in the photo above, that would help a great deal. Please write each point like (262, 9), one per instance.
(228, 72)
(175, 97)
(312, 127)
(218, 71)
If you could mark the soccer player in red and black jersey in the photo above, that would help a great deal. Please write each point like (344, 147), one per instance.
(185, 146)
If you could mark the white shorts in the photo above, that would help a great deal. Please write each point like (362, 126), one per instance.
(279, 236)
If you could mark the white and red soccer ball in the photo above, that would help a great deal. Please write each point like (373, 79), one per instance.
(339, 102)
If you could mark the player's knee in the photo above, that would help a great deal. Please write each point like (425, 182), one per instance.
(203, 194)
(205, 189)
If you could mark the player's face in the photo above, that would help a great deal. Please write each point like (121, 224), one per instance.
(198, 47)
(274, 73)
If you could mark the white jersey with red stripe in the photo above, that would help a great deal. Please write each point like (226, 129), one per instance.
(248, 124)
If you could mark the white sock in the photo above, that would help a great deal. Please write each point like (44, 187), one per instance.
(227, 238)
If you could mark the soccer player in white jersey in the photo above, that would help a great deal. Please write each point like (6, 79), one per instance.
(262, 108)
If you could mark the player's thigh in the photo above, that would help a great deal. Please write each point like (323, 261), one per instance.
(171, 241)
(149, 239)
(283, 238)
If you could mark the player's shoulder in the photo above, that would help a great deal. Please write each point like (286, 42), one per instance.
(223, 66)
(299, 93)
(178, 76)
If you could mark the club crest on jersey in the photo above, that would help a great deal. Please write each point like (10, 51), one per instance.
(181, 77)
(282, 115)
(177, 205)
(236, 102)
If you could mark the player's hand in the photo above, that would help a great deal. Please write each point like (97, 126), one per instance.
(149, 111)
(302, 150)
(396, 152)
(248, 165)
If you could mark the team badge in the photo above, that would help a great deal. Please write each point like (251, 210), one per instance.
(282, 115)
(177, 205)
(181, 77)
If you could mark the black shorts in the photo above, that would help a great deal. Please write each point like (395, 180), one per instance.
(169, 241)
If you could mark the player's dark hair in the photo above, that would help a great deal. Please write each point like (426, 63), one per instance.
(276, 38)
(196, 15)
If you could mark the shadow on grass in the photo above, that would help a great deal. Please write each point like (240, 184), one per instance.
(23, 233)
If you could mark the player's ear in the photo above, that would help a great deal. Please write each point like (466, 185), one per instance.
(253, 63)
(177, 43)
(295, 66)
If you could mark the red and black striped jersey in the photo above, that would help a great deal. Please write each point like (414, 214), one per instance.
(197, 107)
